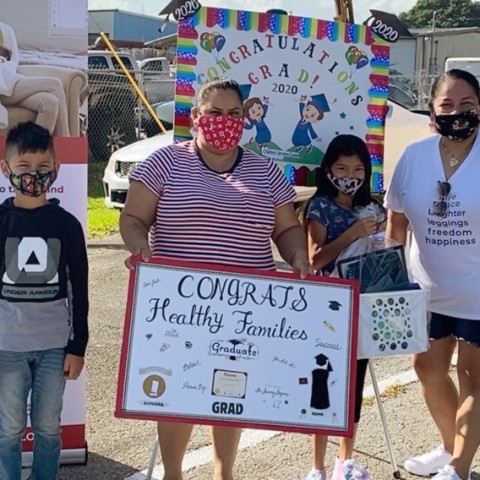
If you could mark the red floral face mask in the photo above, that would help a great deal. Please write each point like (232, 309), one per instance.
(221, 131)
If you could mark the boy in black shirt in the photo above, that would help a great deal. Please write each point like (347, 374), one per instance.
(43, 303)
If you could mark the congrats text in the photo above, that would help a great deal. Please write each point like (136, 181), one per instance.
(254, 350)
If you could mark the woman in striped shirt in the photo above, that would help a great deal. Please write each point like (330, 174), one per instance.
(210, 201)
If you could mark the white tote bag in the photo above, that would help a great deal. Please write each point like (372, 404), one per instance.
(393, 323)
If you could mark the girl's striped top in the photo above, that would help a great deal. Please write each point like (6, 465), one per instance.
(214, 217)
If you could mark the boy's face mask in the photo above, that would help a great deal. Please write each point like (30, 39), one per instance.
(33, 183)
(346, 185)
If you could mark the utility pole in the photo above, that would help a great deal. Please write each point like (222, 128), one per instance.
(432, 66)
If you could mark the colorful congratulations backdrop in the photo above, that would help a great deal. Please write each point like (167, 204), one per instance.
(304, 82)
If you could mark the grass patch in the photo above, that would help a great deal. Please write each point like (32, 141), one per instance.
(102, 221)
(394, 391)
(391, 391)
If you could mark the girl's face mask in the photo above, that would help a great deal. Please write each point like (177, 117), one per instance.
(457, 127)
(347, 185)
(33, 183)
(221, 132)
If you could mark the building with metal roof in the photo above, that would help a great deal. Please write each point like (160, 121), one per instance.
(128, 26)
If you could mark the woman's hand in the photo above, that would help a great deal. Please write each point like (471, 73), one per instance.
(300, 264)
(144, 253)
(363, 228)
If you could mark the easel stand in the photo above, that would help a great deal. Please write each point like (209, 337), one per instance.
(153, 458)
(395, 471)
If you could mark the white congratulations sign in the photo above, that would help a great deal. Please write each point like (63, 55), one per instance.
(240, 348)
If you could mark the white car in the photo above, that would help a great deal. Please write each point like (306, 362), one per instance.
(402, 127)
(124, 161)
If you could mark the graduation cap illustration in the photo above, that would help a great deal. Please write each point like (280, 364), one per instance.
(175, 8)
(321, 359)
(245, 89)
(234, 342)
(390, 20)
(334, 305)
(320, 101)
(277, 11)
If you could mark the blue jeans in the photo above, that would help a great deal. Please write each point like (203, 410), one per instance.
(42, 373)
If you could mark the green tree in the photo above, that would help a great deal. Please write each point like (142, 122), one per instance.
(449, 14)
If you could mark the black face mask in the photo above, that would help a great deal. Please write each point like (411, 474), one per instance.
(457, 127)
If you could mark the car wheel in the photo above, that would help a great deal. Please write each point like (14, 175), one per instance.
(109, 130)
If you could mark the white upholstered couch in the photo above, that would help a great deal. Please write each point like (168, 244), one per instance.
(75, 87)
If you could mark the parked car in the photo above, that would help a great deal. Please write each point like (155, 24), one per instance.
(148, 126)
(402, 127)
(157, 80)
(154, 64)
(111, 103)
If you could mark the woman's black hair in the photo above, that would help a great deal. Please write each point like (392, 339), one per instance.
(456, 74)
(347, 145)
(220, 83)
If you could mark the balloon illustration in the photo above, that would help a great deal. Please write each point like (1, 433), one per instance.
(362, 61)
(219, 42)
(356, 58)
(350, 56)
(212, 42)
(205, 44)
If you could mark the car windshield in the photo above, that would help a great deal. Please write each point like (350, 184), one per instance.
(125, 60)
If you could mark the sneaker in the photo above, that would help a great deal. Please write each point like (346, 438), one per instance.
(338, 470)
(353, 471)
(447, 473)
(315, 474)
(428, 463)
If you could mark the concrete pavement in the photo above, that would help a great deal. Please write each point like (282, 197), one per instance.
(119, 449)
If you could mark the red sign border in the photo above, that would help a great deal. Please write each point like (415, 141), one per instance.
(124, 353)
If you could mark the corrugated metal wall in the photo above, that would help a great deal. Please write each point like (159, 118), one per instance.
(402, 56)
(454, 44)
(129, 26)
(120, 25)
(101, 21)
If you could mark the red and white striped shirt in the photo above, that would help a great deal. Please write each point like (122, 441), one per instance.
(210, 217)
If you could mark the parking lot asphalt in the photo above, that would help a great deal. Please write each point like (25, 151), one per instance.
(120, 449)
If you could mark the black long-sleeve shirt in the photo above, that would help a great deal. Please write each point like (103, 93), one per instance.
(43, 279)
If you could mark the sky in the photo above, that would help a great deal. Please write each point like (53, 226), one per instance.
(320, 9)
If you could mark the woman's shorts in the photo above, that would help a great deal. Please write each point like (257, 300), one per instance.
(442, 326)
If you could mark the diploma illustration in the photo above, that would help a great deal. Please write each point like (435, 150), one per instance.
(229, 384)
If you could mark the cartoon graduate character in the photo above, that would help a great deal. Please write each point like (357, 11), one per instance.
(255, 112)
(320, 398)
(310, 112)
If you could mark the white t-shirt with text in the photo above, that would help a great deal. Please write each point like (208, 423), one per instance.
(445, 252)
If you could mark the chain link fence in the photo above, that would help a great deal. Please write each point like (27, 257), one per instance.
(116, 114)
(117, 117)
(410, 91)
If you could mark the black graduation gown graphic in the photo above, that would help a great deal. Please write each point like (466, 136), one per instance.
(320, 399)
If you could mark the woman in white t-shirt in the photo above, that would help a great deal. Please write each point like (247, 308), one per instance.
(208, 200)
(435, 190)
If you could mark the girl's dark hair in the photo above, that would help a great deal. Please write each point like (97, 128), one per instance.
(456, 74)
(220, 83)
(347, 145)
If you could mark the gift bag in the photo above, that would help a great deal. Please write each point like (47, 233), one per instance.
(393, 323)
(377, 262)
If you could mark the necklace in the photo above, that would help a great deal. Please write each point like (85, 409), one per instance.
(454, 160)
